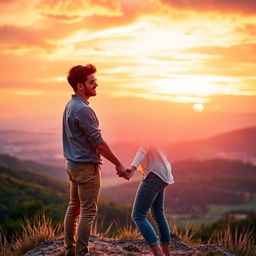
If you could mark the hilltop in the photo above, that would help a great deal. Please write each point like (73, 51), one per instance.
(129, 247)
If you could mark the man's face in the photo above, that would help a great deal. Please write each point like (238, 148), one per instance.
(90, 85)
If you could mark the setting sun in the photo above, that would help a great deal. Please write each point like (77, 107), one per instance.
(198, 107)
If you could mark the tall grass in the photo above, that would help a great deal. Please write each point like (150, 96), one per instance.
(33, 234)
(187, 233)
(4, 245)
(127, 232)
(241, 242)
(41, 229)
(115, 230)
(98, 229)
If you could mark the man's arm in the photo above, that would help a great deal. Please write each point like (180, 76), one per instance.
(104, 149)
(88, 121)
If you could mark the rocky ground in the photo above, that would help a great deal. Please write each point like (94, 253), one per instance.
(129, 247)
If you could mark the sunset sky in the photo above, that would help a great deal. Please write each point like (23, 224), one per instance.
(167, 69)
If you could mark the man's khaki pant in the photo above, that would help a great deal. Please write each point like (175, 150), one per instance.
(84, 192)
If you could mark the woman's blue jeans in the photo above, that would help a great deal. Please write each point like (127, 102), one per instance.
(150, 195)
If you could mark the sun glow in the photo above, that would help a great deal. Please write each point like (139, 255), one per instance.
(157, 58)
(198, 107)
(185, 89)
(198, 59)
(186, 85)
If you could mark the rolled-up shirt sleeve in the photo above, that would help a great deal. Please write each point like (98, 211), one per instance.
(139, 157)
(88, 121)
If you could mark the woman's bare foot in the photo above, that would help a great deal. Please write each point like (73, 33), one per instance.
(156, 249)
(166, 249)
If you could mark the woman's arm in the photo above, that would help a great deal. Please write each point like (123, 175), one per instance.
(139, 157)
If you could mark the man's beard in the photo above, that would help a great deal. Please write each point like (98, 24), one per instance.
(89, 92)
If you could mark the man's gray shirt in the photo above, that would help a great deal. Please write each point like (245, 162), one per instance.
(80, 133)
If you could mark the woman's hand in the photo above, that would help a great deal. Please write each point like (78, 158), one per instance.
(130, 171)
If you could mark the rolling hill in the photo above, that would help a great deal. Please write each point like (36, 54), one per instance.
(46, 148)
(233, 145)
(237, 144)
(26, 192)
(29, 165)
(200, 184)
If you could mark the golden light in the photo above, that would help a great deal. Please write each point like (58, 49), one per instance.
(186, 85)
(162, 68)
(198, 107)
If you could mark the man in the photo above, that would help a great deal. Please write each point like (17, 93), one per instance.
(82, 145)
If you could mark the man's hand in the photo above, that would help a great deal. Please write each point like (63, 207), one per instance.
(120, 172)
(119, 169)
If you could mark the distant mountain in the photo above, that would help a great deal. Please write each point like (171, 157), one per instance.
(27, 165)
(38, 146)
(46, 148)
(237, 144)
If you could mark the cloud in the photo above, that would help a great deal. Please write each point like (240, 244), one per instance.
(234, 61)
(76, 10)
(20, 40)
(13, 37)
(234, 6)
(249, 29)
(20, 12)
(7, 2)
(244, 53)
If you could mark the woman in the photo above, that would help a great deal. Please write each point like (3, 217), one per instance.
(150, 195)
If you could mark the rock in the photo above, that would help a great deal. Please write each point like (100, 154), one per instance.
(128, 247)
(214, 250)
(55, 247)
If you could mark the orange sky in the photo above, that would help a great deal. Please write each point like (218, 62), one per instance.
(167, 69)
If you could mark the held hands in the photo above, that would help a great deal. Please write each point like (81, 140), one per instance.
(120, 170)
(126, 173)
(129, 171)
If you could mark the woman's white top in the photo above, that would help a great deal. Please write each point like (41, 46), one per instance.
(153, 160)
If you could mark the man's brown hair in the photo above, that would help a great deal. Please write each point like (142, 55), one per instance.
(78, 74)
